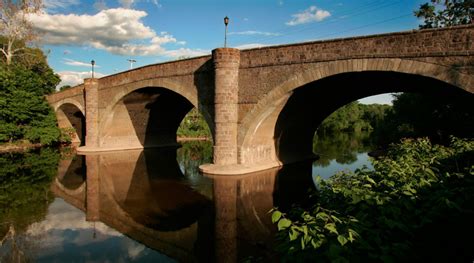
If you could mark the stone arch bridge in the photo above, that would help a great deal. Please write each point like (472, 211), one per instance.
(263, 105)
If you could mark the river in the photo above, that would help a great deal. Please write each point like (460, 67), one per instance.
(152, 205)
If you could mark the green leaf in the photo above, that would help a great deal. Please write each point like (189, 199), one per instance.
(276, 216)
(331, 227)
(293, 234)
(342, 240)
(284, 223)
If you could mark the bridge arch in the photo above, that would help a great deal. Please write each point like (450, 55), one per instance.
(264, 132)
(71, 114)
(167, 100)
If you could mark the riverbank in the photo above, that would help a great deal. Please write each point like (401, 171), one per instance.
(187, 139)
(24, 146)
(21, 146)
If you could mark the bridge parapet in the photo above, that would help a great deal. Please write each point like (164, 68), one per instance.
(441, 42)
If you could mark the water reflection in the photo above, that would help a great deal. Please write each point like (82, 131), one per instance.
(149, 205)
(342, 151)
(146, 196)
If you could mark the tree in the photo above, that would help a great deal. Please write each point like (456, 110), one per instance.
(65, 87)
(15, 27)
(24, 113)
(446, 13)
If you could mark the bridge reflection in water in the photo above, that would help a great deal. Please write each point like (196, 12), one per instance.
(145, 195)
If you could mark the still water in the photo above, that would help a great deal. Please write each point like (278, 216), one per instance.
(151, 205)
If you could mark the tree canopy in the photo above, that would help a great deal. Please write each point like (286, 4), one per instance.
(446, 13)
(24, 112)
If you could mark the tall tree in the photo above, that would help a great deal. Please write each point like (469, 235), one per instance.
(446, 13)
(15, 26)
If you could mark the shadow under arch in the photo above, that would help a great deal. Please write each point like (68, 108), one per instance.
(70, 114)
(282, 124)
(144, 195)
(147, 116)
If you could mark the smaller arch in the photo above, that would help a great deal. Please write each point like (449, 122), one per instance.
(166, 100)
(58, 104)
(70, 114)
(256, 133)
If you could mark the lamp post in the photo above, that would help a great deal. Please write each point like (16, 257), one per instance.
(131, 62)
(226, 22)
(92, 63)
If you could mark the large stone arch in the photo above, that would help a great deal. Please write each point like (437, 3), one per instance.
(71, 114)
(257, 129)
(185, 92)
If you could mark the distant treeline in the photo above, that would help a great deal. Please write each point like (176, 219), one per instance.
(355, 117)
(194, 126)
(412, 115)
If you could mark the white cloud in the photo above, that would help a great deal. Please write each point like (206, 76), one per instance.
(62, 216)
(52, 5)
(118, 31)
(252, 45)
(76, 63)
(252, 32)
(126, 3)
(73, 78)
(130, 3)
(309, 15)
(185, 53)
(100, 5)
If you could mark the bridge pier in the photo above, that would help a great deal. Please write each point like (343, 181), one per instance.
(226, 99)
(91, 90)
(92, 184)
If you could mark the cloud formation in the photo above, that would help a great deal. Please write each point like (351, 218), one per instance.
(52, 5)
(118, 31)
(252, 32)
(130, 3)
(312, 14)
(73, 78)
(251, 45)
(76, 63)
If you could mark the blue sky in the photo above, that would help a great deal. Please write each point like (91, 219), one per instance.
(149, 31)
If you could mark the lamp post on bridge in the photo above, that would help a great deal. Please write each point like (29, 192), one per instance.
(226, 22)
(92, 63)
(131, 62)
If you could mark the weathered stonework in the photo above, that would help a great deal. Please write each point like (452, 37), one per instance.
(91, 90)
(254, 100)
(226, 98)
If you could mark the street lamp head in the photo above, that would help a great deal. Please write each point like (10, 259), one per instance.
(226, 21)
(92, 62)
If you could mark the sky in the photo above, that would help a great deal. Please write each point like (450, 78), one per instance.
(111, 32)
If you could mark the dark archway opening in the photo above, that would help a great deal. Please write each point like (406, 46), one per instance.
(156, 114)
(72, 121)
(309, 105)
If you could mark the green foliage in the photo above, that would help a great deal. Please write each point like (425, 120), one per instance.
(193, 154)
(194, 125)
(65, 87)
(395, 213)
(66, 135)
(24, 112)
(354, 117)
(341, 146)
(427, 115)
(446, 13)
(24, 191)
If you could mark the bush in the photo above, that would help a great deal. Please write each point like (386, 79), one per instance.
(417, 195)
(24, 113)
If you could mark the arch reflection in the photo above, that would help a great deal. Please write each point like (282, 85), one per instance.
(145, 195)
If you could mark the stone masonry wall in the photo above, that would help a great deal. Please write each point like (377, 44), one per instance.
(263, 69)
